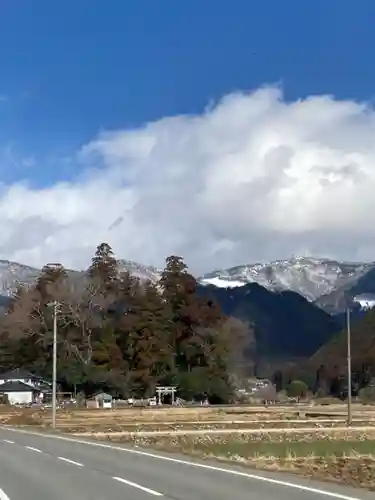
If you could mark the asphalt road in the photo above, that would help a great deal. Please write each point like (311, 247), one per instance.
(42, 467)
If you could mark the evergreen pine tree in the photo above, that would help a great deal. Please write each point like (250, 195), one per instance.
(104, 269)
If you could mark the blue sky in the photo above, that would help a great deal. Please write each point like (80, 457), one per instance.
(70, 69)
(267, 151)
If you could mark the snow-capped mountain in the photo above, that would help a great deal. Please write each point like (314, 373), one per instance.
(13, 274)
(310, 277)
(144, 273)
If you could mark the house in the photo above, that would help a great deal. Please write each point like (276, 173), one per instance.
(23, 387)
(20, 375)
(20, 393)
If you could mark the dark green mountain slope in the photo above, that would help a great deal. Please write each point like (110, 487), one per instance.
(285, 323)
(334, 352)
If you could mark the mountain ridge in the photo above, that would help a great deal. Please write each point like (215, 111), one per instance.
(324, 282)
(311, 277)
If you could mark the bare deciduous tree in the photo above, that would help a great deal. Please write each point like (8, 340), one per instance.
(81, 309)
(81, 314)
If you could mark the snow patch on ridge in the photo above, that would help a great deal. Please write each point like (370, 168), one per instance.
(222, 283)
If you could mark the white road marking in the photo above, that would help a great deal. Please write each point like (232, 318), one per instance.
(7, 441)
(138, 486)
(3, 495)
(33, 449)
(254, 477)
(70, 461)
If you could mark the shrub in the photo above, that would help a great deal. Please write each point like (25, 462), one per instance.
(297, 389)
(367, 395)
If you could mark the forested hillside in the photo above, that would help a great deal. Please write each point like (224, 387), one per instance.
(285, 323)
(123, 336)
(334, 352)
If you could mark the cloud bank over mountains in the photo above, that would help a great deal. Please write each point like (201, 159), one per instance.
(251, 178)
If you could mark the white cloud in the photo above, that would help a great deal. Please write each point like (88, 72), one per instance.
(252, 178)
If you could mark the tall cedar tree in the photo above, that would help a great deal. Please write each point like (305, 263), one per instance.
(109, 371)
(149, 353)
(104, 269)
(200, 346)
(176, 292)
(106, 362)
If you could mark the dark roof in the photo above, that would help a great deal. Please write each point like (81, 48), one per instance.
(18, 373)
(17, 387)
(43, 387)
(100, 393)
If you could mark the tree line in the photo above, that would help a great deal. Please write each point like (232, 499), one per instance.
(122, 335)
(327, 380)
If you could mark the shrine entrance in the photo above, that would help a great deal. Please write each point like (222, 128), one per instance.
(166, 394)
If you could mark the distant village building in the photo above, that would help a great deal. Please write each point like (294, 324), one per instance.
(100, 400)
(22, 387)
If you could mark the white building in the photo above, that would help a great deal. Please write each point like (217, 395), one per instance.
(23, 387)
(19, 393)
(103, 400)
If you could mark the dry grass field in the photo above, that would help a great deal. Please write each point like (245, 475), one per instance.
(309, 440)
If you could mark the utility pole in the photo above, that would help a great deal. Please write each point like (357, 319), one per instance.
(54, 363)
(349, 354)
(55, 304)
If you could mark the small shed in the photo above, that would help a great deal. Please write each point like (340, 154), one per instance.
(102, 400)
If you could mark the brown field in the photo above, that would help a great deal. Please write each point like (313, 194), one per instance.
(166, 419)
(245, 417)
(309, 440)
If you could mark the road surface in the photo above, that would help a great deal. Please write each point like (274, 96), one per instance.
(40, 467)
